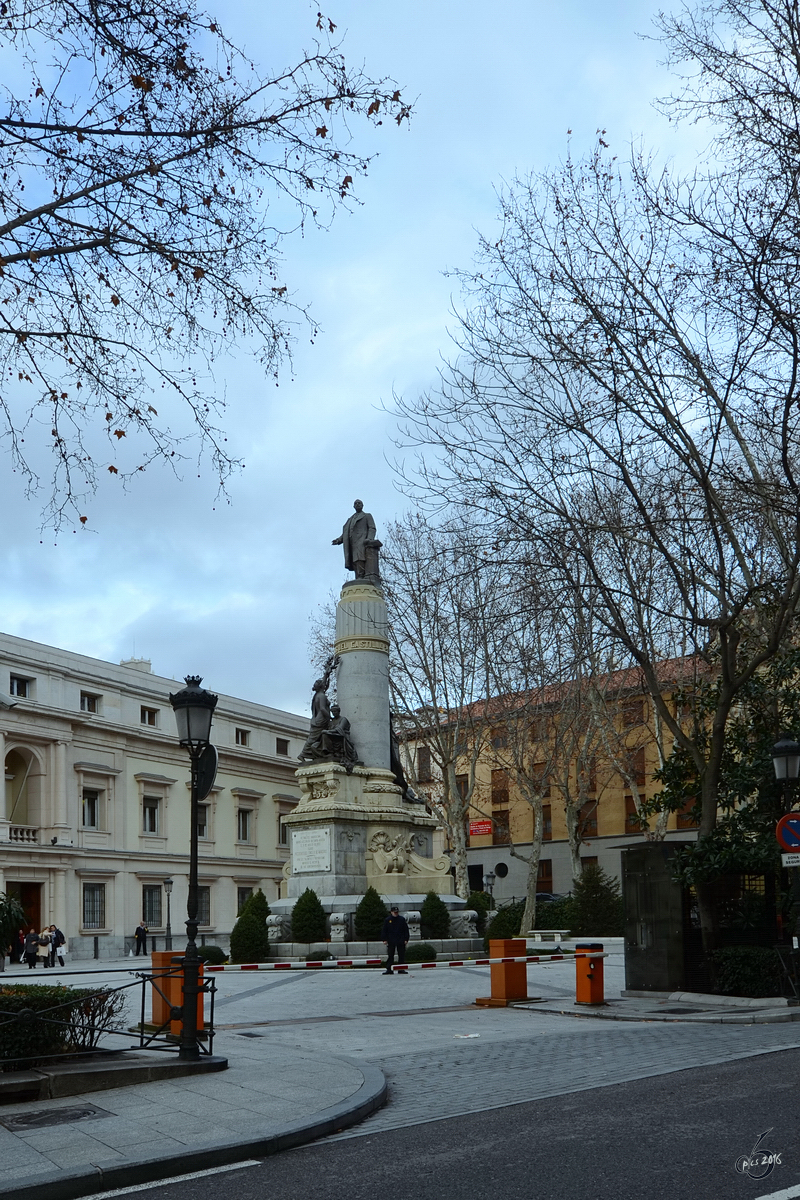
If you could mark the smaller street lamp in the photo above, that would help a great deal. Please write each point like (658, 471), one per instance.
(786, 761)
(194, 711)
(168, 891)
(488, 881)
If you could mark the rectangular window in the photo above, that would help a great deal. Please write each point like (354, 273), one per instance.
(94, 906)
(150, 807)
(151, 905)
(591, 775)
(632, 821)
(547, 823)
(540, 778)
(202, 820)
(462, 785)
(283, 833)
(424, 774)
(89, 702)
(204, 906)
(633, 712)
(589, 861)
(638, 769)
(686, 817)
(243, 894)
(501, 829)
(540, 729)
(500, 788)
(243, 824)
(19, 686)
(149, 716)
(587, 819)
(544, 878)
(281, 745)
(242, 737)
(499, 738)
(91, 809)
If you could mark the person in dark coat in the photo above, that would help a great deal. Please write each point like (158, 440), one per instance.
(395, 936)
(140, 936)
(31, 948)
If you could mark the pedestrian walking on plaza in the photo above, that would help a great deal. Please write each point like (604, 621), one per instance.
(140, 937)
(31, 948)
(395, 935)
(43, 949)
(57, 941)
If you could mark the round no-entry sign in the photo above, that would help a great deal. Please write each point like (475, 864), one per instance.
(787, 831)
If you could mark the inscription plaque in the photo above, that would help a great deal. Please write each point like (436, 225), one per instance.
(311, 850)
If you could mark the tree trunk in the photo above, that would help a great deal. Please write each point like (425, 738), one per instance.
(529, 914)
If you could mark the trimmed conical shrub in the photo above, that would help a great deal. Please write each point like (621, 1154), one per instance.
(434, 917)
(249, 941)
(371, 912)
(257, 904)
(308, 918)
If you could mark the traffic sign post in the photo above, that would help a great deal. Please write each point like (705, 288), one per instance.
(787, 831)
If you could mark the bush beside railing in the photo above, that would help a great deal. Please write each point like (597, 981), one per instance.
(38, 1021)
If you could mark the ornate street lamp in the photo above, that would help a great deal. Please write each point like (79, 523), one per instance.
(194, 710)
(488, 881)
(168, 891)
(786, 761)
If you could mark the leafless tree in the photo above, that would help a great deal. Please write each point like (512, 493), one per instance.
(148, 175)
(440, 597)
(626, 391)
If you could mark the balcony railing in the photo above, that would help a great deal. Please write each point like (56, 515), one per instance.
(23, 834)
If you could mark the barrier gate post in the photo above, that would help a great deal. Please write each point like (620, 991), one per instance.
(509, 980)
(589, 974)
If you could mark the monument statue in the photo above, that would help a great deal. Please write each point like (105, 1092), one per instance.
(337, 741)
(329, 737)
(396, 766)
(320, 716)
(358, 538)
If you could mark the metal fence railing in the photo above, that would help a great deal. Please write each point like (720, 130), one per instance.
(93, 1022)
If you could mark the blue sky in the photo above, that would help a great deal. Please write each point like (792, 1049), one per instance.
(168, 572)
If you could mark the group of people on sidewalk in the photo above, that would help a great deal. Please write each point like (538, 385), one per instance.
(44, 947)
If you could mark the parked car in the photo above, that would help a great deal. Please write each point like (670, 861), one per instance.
(549, 897)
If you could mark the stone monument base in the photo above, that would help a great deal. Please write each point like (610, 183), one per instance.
(339, 920)
(352, 830)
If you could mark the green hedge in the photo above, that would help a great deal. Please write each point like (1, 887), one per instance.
(505, 923)
(308, 918)
(434, 917)
(748, 971)
(371, 912)
(57, 1019)
(420, 952)
(481, 903)
(212, 954)
(249, 938)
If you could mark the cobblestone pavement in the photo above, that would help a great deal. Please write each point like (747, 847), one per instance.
(554, 1056)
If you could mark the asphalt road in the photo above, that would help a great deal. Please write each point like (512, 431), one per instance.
(667, 1137)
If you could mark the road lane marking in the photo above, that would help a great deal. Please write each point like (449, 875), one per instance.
(141, 1187)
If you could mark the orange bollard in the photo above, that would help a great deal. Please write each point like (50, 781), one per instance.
(172, 986)
(509, 980)
(589, 974)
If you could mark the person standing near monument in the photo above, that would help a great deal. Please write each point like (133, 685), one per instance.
(395, 936)
(358, 530)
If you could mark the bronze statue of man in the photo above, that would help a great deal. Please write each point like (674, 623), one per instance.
(358, 530)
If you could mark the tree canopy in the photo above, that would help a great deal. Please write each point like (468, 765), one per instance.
(148, 175)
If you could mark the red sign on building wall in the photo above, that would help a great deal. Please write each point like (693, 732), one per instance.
(479, 828)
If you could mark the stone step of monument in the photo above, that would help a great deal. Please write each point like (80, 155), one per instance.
(446, 949)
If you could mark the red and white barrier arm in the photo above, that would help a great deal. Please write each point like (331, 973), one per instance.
(323, 964)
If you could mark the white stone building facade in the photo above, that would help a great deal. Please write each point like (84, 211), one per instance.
(96, 812)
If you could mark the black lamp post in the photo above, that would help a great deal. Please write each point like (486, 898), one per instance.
(786, 761)
(194, 710)
(488, 882)
(168, 891)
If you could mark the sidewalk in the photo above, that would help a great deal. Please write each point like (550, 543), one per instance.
(676, 1006)
(271, 1097)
